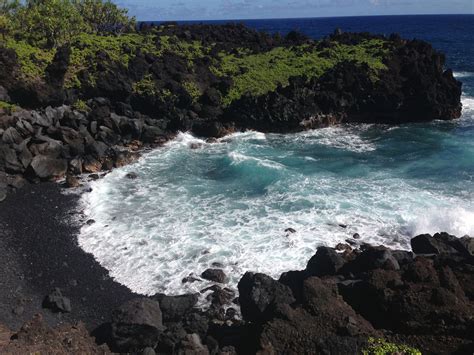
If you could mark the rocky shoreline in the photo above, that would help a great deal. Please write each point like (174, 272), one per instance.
(345, 301)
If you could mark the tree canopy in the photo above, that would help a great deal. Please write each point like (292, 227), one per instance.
(51, 23)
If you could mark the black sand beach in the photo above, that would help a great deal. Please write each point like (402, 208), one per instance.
(39, 252)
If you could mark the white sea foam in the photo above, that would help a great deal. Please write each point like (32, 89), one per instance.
(463, 74)
(231, 202)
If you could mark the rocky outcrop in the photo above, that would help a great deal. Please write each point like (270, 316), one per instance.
(343, 302)
(106, 117)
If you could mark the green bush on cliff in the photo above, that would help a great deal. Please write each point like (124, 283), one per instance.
(33, 60)
(7, 107)
(192, 89)
(260, 73)
(382, 347)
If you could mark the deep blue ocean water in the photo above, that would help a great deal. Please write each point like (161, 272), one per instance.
(231, 202)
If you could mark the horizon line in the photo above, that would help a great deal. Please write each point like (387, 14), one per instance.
(302, 18)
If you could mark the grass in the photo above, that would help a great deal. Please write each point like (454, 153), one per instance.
(382, 347)
(258, 74)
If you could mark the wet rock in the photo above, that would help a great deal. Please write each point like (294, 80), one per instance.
(326, 261)
(215, 275)
(356, 236)
(72, 181)
(56, 302)
(290, 230)
(259, 294)
(136, 325)
(91, 165)
(46, 167)
(132, 176)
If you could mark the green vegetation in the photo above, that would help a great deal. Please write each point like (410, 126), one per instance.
(193, 90)
(33, 60)
(80, 105)
(52, 23)
(382, 347)
(102, 37)
(258, 74)
(9, 108)
(145, 87)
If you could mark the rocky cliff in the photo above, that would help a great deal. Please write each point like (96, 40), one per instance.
(81, 107)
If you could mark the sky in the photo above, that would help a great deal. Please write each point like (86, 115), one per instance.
(148, 10)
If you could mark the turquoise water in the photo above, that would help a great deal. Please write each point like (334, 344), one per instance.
(230, 202)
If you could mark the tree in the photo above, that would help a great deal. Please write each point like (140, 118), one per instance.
(8, 7)
(49, 23)
(104, 16)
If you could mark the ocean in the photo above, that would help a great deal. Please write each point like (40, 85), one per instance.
(265, 202)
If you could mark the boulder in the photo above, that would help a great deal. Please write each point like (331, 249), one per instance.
(46, 167)
(326, 261)
(9, 160)
(136, 325)
(174, 308)
(259, 294)
(56, 302)
(11, 136)
(440, 243)
(215, 275)
(372, 258)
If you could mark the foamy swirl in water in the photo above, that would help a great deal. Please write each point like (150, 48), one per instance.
(230, 202)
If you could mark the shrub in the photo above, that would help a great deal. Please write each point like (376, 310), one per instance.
(382, 347)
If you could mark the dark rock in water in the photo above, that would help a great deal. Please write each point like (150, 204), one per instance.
(132, 176)
(290, 230)
(326, 261)
(56, 302)
(136, 325)
(259, 294)
(215, 275)
(342, 225)
(90, 222)
(343, 247)
(174, 308)
(356, 236)
(189, 279)
(45, 167)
